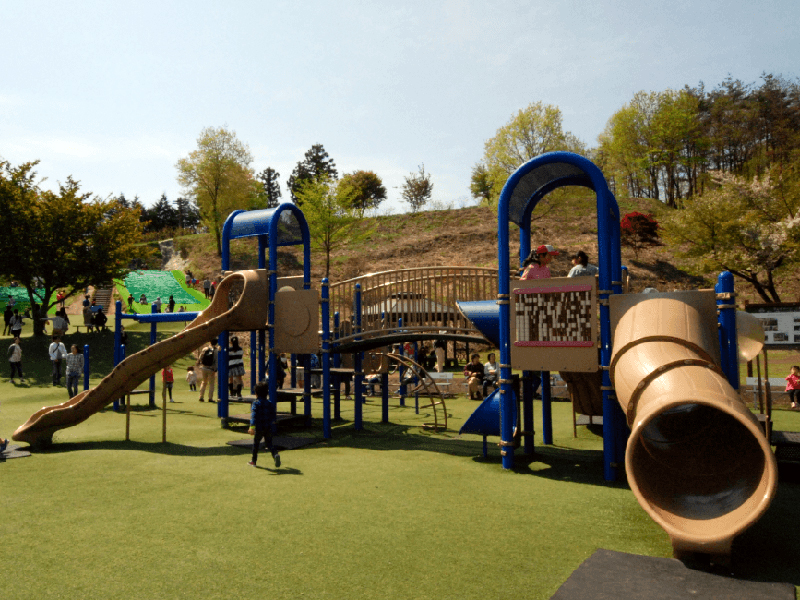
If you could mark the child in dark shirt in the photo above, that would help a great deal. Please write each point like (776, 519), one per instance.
(262, 420)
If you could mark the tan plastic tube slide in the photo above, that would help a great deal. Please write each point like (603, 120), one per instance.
(696, 459)
(240, 303)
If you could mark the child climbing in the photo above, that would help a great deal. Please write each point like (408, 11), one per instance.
(793, 385)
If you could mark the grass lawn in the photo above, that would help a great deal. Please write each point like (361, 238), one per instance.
(390, 512)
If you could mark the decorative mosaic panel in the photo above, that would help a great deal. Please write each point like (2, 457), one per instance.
(554, 324)
(554, 316)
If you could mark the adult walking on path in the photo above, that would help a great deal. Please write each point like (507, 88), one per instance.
(16, 324)
(15, 359)
(7, 314)
(58, 353)
(74, 370)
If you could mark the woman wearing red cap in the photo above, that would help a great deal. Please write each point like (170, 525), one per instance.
(536, 264)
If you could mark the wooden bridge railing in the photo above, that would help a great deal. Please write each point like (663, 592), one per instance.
(422, 297)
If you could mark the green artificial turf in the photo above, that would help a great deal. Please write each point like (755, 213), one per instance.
(160, 283)
(394, 511)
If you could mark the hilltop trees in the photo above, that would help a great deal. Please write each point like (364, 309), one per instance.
(534, 130)
(417, 189)
(662, 145)
(331, 218)
(270, 194)
(61, 240)
(750, 228)
(218, 177)
(366, 189)
(315, 166)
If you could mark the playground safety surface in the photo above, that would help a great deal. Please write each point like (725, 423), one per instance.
(278, 441)
(608, 574)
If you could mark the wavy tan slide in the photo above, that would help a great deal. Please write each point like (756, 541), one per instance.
(240, 304)
(697, 460)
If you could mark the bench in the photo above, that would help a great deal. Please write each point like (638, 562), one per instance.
(443, 381)
(777, 386)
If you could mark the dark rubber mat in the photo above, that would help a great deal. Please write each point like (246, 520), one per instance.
(608, 575)
(279, 441)
(13, 451)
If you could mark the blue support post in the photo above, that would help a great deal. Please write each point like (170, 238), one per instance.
(326, 384)
(293, 370)
(527, 411)
(358, 367)
(728, 343)
(153, 340)
(117, 331)
(337, 358)
(253, 364)
(547, 413)
(305, 359)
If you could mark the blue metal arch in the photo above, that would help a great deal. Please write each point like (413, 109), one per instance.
(523, 190)
(265, 225)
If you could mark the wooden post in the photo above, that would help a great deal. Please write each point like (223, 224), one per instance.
(759, 398)
(128, 417)
(768, 388)
(164, 418)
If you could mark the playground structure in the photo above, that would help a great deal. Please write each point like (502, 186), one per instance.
(676, 384)
(695, 456)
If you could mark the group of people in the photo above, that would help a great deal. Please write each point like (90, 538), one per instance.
(536, 265)
(480, 377)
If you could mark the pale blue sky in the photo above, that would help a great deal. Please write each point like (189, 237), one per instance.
(115, 93)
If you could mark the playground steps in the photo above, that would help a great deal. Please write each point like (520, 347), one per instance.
(787, 446)
(103, 296)
(609, 574)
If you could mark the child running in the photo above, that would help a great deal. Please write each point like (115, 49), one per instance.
(262, 419)
(793, 385)
(191, 378)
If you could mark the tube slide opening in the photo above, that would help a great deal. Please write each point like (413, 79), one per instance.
(693, 462)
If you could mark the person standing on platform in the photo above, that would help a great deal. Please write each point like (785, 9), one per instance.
(262, 421)
(535, 266)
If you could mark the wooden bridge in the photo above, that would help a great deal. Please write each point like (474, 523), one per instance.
(424, 298)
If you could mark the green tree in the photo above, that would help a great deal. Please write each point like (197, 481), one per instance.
(481, 183)
(417, 189)
(218, 177)
(366, 188)
(332, 220)
(65, 240)
(188, 215)
(534, 130)
(316, 164)
(750, 228)
(270, 194)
